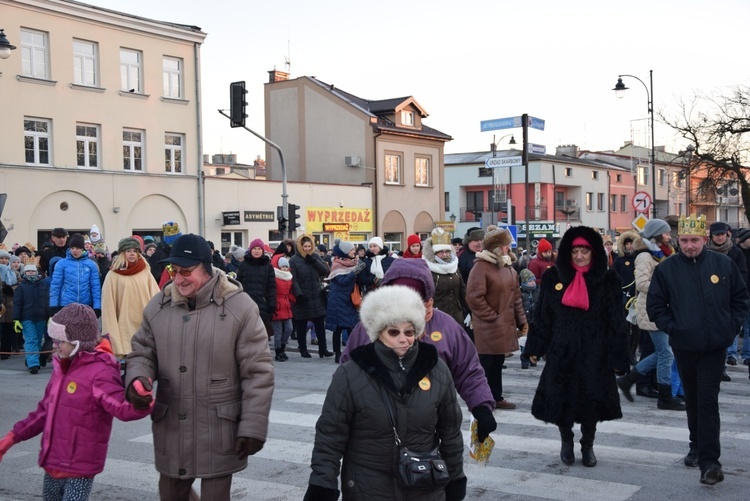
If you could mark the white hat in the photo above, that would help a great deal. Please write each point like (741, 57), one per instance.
(392, 305)
(377, 241)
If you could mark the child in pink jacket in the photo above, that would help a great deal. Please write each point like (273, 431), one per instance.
(75, 414)
(282, 317)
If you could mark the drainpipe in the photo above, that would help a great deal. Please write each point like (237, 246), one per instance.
(199, 139)
(376, 212)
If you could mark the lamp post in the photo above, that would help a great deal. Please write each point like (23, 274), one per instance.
(620, 92)
(5, 46)
(453, 223)
(495, 175)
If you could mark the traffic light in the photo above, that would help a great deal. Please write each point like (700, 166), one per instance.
(293, 216)
(281, 219)
(237, 104)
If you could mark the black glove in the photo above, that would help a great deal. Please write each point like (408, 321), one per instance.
(309, 258)
(98, 312)
(140, 402)
(246, 446)
(486, 423)
(301, 299)
(456, 489)
(318, 493)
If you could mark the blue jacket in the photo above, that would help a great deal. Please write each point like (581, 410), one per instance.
(340, 309)
(75, 281)
(31, 300)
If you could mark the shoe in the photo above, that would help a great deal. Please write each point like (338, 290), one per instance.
(725, 377)
(304, 354)
(280, 358)
(566, 452)
(667, 401)
(746, 362)
(293, 337)
(338, 357)
(505, 366)
(731, 360)
(587, 457)
(325, 353)
(646, 391)
(34, 370)
(504, 404)
(712, 475)
(508, 355)
(626, 382)
(691, 460)
(313, 341)
(525, 364)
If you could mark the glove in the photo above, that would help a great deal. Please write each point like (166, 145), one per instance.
(318, 493)
(360, 266)
(98, 312)
(309, 258)
(6, 443)
(246, 446)
(139, 393)
(456, 489)
(486, 423)
(301, 299)
(533, 359)
(524, 329)
(17, 326)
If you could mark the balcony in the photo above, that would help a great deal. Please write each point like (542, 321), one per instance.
(536, 213)
(568, 213)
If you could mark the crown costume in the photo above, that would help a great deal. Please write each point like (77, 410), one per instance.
(692, 226)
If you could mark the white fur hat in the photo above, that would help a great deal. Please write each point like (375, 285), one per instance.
(389, 306)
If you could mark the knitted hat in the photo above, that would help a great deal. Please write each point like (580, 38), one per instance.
(457, 241)
(342, 249)
(543, 246)
(256, 243)
(60, 232)
(411, 272)
(86, 239)
(30, 267)
(392, 305)
(127, 243)
(4, 253)
(149, 246)
(76, 324)
(440, 240)
(148, 239)
(655, 227)
(526, 276)
(718, 228)
(472, 235)
(171, 232)
(283, 262)
(100, 247)
(189, 250)
(608, 240)
(413, 239)
(76, 241)
(377, 241)
(237, 252)
(13, 259)
(495, 238)
(322, 248)
(94, 234)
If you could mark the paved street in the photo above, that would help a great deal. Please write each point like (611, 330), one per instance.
(640, 456)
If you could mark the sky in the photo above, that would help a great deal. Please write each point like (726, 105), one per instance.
(469, 61)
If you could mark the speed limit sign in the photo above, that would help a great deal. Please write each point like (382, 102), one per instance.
(642, 201)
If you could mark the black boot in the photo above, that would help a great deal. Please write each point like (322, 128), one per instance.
(588, 432)
(667, 401)
(566, 445)
(279, 356)
(587, 456)
(283, 352)
(338, 356)
(626, 382)
(646, 390)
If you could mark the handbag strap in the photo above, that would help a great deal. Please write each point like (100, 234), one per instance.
(389, 410)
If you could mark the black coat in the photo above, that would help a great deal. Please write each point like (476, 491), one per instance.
(162, 252)
(583, 347)
(308, 270)
(31, 300)
(259, 282)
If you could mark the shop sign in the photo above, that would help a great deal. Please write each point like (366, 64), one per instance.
(359, 220)
(252, 216)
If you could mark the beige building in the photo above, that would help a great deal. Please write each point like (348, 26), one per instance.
(101, 122)
(329, 135)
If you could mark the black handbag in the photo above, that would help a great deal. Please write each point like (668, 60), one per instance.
(417, 470)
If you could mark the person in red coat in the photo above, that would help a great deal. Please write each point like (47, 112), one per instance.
(282, 317)
(413, 247)
(544, 259)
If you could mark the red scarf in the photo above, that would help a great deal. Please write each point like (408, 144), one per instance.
(134, 268)
(577, 295)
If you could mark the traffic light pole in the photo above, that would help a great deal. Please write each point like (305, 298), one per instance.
(284, 196)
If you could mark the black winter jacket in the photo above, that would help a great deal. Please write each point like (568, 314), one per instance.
(259, 282)
(306, 282)
(162, 252)
(31, 300)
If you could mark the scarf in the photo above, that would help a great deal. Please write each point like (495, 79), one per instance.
(134, 268)
(577, 295)
(376, 268)
(341, 267)
(441, 267)
(282, 275)
(723, 248)
(658, 251)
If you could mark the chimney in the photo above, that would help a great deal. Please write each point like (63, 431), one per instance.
(277, 76)
(567, 150)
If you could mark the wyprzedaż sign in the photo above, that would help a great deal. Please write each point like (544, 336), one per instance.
(503, 162)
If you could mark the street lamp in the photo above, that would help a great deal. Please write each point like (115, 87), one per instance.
(496, 174)
(620, 92)
(5, 46)
(493, 144)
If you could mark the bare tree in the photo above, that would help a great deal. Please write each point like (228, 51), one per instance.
(718, 127)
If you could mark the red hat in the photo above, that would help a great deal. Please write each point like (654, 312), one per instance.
(413, 239)
(543, 246)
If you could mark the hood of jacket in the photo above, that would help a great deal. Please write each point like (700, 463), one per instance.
(298, 245)
(564, 254)
(629, 234)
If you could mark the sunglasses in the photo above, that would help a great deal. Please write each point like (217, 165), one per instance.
(185, 272)
(393, 332)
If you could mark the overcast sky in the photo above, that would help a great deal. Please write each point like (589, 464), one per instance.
(468, 61)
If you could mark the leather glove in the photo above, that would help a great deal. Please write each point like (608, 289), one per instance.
(524, 329)
(455, 490)
(309, 258)
(318, 493)
(17, 327)
(139, 393)
(486, 423)
(246, 446)
(6, 443)
(98, 312)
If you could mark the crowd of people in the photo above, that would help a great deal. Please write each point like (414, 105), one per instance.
(176, 330)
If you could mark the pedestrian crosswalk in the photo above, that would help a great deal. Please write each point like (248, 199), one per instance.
(640, 456)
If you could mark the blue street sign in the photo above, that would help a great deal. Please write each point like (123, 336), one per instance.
(537, 149)
(513, 233)
(501, 123)
(536, 123)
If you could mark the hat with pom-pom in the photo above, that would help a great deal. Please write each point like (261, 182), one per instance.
(342, 249)
(75, 324)
(171, 232)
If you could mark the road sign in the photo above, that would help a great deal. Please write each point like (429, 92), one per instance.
(639, 222)
(642, 201)
(537, 149)
(513, 233)
(500, 123)
(503, 162)
(536, 123)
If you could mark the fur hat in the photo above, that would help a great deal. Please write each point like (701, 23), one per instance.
(440, 240)
(392, 305)
(256, 243)
(76, 324)
(342, 249)
(543, 246)
(472, 235)
(413, 239)
(127, 243)
(171, 232)
(655, 227)
(76, 241)
(21, 249)
(100, 247)
(237, 252)
(377, 241)
(283, 262)
(495, 238)
(148, 246)
(95, 234)
(411, 272)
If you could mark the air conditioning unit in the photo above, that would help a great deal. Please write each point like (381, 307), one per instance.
(352, 161)
(571, 203)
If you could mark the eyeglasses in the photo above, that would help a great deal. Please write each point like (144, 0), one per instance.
(393, 332)
(185, 272)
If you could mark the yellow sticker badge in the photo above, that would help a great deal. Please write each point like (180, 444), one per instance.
(627, 263)
(425, 384)
(72, 387)
(558, 287)
(436, 336)
(714, 279)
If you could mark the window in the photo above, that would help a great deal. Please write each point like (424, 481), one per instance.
(568, 172)
(130, 70)
(589, 201)
(407, 118)
(643, 178)
(34, 54)
(422, 171)
(485, 172)
(85, 63)
(173, 153)
(594, 175)
(613, 203)
(619, 178)
(172, 68)
(600, 201)
(132, 150)
(392, 169)
(87, 145)
(677, 180)
(662, 177)
(559, 199)
(623, 203)
(447, 201)
(37, 135)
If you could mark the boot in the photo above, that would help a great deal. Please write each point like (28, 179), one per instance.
(626, 382)
(667, 401)
(283, 352)
(646, 390)
(587, 456)
(338, 356)
(588, 433)
(566, 446)
(279, 356)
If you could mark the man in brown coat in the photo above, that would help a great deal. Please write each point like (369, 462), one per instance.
(204, 342)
